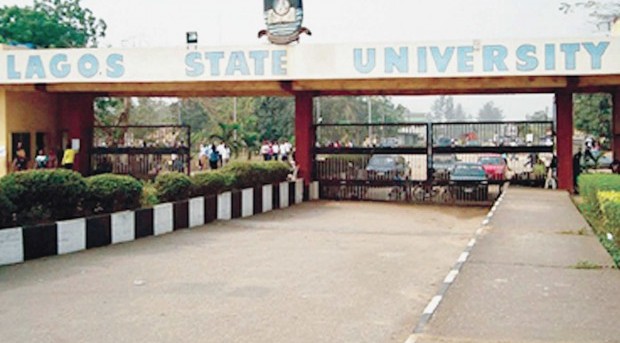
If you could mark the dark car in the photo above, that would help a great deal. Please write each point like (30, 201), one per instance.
(468, 181)
(442, 165)
(387, 167)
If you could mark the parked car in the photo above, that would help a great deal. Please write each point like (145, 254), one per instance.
(387, 167)
(468, 181)
(494, 166)
(442, 165)
(443, 142)
(601, 160)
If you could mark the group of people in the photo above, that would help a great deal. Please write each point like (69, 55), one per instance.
(214, 156)
(43, 160)
(276, 151)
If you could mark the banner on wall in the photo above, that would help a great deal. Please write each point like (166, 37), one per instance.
(590, 56)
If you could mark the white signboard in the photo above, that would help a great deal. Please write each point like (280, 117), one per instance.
(589, 56)
(2, 151)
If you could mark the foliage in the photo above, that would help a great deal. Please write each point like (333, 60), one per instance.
(489, 112)
(591, 184)
(149, 195)
(601, 11)
(44, 194)
(109, 193)
(610, 209)
(51, 24)
(538, 116)
(7, 208)
(211, 182)
(173, 187)
(593, 114)
(276, 117)
(258, 173)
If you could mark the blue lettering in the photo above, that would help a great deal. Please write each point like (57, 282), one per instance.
(35, 68)
(57, 69)
(465, 59)
(570, 53)
(237, 63)
(371, 60)
(422, 60)
(259, 58)
(10, 68)
(193, 64)
(549, 56)
(526, 55)
(214, 60)
(442, 60)
(278, 62)
(596, 53)
(88, 65)
(398, 60)
(494, 58)
(116, 68)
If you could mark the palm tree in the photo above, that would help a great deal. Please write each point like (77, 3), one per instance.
(227, 136)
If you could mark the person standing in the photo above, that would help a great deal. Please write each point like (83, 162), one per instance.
(68, 158)
(214, 157)
(41, 160)
(576, 169)
(275, 150)
(285, 150)
(264, 150)
(21, 160)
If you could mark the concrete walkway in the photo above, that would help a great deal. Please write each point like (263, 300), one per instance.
(521, 284)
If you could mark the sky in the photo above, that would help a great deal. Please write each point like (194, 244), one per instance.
(163, 23)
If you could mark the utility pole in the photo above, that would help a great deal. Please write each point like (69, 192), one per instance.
(369, 118)
(235, 117)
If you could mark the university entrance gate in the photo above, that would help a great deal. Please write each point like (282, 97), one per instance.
(465, 163)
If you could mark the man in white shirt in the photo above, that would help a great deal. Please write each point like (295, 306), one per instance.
(276, 150)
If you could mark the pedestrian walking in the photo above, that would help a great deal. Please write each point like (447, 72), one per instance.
(68, 158)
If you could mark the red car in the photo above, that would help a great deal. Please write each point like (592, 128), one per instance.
(494, 166)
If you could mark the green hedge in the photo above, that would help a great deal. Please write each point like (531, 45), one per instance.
(44, 194)
(248, 175)
(211, 182)
(591, 184)
(7, 208)
(109, 193)
(173, 187)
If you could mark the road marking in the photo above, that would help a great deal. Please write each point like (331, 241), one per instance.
(432, 306)
(451, 276)
(485, 222)
(479, 231)
(471, 243)
(411, 339)
(463, 257)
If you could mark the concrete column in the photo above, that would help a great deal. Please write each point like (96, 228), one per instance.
(615, 125)
(77, 118)
(304, 135)
(564, 108)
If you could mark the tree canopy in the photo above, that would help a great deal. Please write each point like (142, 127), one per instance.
(593, 114)
(489, 112)
(51, 24)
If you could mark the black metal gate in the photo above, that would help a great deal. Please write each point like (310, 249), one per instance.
(430, 163)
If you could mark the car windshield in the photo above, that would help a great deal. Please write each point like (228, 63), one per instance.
(382, 161)
(468, 170)
(495, 161)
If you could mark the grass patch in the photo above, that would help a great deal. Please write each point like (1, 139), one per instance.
(598, 226)
(586, 265)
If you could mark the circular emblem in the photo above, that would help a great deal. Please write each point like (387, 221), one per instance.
(281, 7)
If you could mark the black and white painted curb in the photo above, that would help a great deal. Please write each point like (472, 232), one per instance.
(27, 243)
(432, 306)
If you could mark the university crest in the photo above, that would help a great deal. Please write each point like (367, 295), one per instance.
(283, 19)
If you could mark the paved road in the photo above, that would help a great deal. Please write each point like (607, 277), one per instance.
(520, 284)
(319, 272)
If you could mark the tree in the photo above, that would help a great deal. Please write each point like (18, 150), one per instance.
(51, 24)
(593, 114)
(489, 112)
(443, 109)
(538, 116)
(601, 11)
(459, 113)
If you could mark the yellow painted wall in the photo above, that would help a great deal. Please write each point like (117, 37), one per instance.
(27, 112)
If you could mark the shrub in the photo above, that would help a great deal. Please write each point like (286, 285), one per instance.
(610, 209)
(109, 193)
(173, 187)
(591, 184)
(211, 182)
(6, 210)
(149, 195)
(44, 194)
(257, 173)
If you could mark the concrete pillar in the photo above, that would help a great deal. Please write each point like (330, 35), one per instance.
(304, 135)
(564, 108)
(615, 125)
(77, 118)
